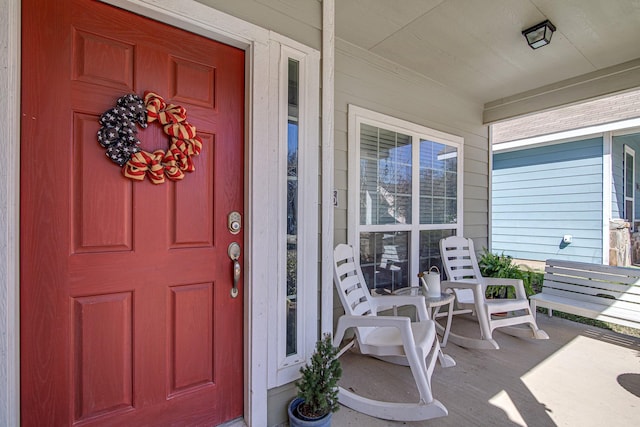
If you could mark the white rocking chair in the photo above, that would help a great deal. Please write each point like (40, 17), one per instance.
(391, 338)
(469, 286)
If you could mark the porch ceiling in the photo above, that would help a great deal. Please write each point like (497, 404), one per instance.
(476, 47)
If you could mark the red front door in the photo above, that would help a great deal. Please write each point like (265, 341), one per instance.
(126, 312)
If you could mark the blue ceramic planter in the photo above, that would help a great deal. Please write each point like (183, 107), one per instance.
(295, 419)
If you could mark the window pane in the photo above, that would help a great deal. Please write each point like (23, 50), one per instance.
(292, 210)
(430, 249)
(384, 260)
(385, 176)
(438, 210)
(438, 183)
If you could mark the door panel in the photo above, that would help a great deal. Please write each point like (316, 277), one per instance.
(103, 353)
(126, 313)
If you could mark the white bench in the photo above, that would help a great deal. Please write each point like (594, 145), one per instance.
(602, 292)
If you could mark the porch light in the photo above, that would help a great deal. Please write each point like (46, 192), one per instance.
(539, 35)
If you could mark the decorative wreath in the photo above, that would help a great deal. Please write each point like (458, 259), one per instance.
(119, 126)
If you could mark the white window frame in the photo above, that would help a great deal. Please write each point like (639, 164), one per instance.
(629, 151)
(358, 116)
(284, 369)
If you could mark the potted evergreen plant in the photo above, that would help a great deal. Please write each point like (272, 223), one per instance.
(317, 395)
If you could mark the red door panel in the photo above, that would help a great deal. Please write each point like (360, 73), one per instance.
(126, 313)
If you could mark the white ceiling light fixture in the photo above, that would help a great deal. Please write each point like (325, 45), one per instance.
(539, 35)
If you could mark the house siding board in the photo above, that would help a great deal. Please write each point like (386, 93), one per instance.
(550, 235)
(578, 211)
(576, 192)
(542, 193)
(582, 171)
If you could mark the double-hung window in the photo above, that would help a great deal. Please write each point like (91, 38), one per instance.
(405, 194)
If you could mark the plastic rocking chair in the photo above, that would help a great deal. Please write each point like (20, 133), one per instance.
(395, 339)
(465, 280)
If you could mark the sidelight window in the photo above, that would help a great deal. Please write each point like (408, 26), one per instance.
(293, 301)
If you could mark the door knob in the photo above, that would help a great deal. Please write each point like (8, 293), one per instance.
(234, 254)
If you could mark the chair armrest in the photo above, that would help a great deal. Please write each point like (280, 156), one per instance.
(458, 284)
(402, 323)
(375, 321)
(477, 288)
(390, 301)
(516, 283)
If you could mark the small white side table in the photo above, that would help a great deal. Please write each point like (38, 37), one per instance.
(433, 307)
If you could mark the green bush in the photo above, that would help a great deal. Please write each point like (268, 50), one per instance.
(318, 386)
(502, 266)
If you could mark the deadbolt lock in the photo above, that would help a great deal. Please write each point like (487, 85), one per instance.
(234, 222)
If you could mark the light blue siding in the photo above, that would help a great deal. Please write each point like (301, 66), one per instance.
(540, 194)
(617, 156)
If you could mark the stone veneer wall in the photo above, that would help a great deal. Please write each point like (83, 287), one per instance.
(620, 252)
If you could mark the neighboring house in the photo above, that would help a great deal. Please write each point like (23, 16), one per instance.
(197, 302)
(571, 192)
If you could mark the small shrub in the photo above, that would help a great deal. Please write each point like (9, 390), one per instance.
(318, 386)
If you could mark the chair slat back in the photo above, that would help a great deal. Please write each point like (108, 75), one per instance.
(459, 259)
(349, 281)
(352, 289)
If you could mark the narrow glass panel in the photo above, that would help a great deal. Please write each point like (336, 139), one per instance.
(628, 170)
(385, 176)
(384, 259)
(292, 209)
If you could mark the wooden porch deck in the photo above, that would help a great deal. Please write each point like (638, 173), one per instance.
(581, 376)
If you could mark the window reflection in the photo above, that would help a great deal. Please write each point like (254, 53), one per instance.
(384, 260)
(292, 209)
(389, 200)
(385, 177)
(430, 249)
(438, 183)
